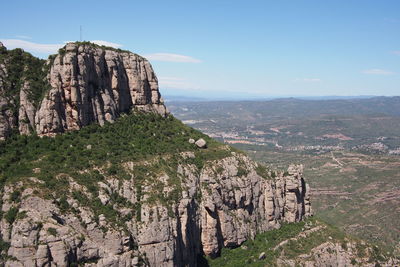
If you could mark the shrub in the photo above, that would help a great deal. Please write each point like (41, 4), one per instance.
(11, 215)
(52, 231)
(15, 196)
(4, 246)
(63, 204)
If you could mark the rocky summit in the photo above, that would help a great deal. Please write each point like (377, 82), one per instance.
(82, 84)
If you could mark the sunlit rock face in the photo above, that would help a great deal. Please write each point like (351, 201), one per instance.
(85, 83)
(93, 84)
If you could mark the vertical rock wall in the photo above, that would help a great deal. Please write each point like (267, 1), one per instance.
(89, 84)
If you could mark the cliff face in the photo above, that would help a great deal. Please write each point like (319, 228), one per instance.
(7, 119)
(221, 205)
(86, 84)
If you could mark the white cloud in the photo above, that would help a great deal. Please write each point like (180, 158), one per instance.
(396, 52)
(23, 37)
(377, 72)
(45, 48)
(172, 58)
(308, 80)
(30, 46)
(105, 43)
(176, 83)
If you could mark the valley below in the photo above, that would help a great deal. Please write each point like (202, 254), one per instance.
(349, 150)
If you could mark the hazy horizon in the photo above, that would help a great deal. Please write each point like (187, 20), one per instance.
(243, 97)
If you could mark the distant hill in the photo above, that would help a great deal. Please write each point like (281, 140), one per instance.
(294, 107)
(290, 123)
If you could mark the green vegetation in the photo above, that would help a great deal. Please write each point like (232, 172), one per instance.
(15, 196)
(132, 138)
(11, 215)
(248, 253)
(262, 171)
(52, 231)
(4, 246)
(271, 243)
(87, 43)
(23, 67)
(21, 215)
(149, 141)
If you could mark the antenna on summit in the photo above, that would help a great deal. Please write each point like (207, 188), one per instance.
(80, 32)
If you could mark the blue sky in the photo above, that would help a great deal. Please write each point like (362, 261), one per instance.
(230, 48)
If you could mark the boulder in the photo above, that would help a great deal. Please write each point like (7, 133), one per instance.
(201, 143)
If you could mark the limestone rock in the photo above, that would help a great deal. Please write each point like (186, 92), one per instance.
(8, 121)
(7, 118)
(88, 84)
(201, 143)
(92, 84)
(215, 210)
(26, 114)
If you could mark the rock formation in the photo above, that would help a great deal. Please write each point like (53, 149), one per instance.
(7, 120)
(88, 84)
(217, 209)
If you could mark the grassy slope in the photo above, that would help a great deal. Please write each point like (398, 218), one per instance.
(248, 254)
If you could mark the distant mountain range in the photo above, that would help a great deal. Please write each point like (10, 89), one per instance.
(185, 98)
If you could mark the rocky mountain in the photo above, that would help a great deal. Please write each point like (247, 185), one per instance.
(83, 83)
(157, 214)
(145, 190)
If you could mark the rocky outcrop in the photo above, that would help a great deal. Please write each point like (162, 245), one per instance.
(88, 84)
(7, 118)
(92, 84)
(220, 205)
(26, 113)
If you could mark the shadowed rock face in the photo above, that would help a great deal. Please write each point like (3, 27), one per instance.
(89, 84)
